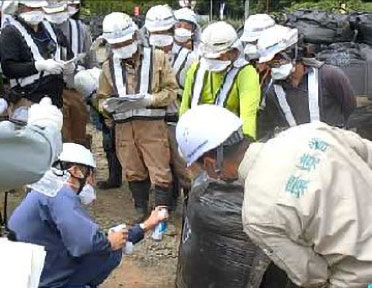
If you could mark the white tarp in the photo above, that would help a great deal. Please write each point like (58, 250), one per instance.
(21, 264)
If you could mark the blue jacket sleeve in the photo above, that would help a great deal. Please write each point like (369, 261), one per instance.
(135, 234)
(78, 231)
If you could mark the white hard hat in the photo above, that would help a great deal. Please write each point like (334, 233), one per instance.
(186, 14)
(159, 18)
(276, 40)
(204, 128)
(33, 4)
(74, 2)
(255, 25)
(86, 81)
(118, 27)
(217, 38)
(76, 153)
(55, 7)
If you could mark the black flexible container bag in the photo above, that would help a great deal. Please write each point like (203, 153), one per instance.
(360, 121)
(215, 252)
(355, 60)
(320, 27)
(363, 23)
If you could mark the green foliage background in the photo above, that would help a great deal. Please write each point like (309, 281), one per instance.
(235, 8)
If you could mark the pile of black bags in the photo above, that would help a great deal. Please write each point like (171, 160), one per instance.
(340, 40)
(320, 27)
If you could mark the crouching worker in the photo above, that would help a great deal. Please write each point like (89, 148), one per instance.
(79, 254)
(308, 204)
(214, 209)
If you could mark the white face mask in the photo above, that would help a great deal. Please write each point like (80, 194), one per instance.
(159, 40)
(126, 51)
(87, 195)
(251, 52)
(182, 35)
(57, 18)
(215, 65)
(32, 17)
(72, 10)
(282, 72)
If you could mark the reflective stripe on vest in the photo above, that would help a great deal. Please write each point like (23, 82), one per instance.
(224, 89)
(313, 98)
(139, 113)
(280, 94)
(118, 74)
(313, 87)
(198, 85)
(180, 63)
(146, 71)
(76, 38)
(34, 51)
(226, 86)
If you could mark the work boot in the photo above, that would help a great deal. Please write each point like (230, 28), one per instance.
(115, 173)
(140, 215)
(140, 192)
(163, 196)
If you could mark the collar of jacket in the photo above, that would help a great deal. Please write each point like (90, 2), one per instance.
(249, 160)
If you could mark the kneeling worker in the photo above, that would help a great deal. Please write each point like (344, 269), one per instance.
(78, 252)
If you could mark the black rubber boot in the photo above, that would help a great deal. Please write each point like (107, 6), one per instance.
(163, 196)
(115, 174)
(140, 193)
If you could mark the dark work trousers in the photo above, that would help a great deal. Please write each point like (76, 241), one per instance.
(114, 167)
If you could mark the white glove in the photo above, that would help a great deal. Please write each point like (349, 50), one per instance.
(69, 68)
(51, 66)
(3, 106)
(45, 114)
(128, 102)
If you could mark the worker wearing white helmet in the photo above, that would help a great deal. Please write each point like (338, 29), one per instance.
(136, 86)
(79, 38)
(34, 67)
(159, 25)
(52, 215)
(254, 27)
(302, 90)
(186, 40)
(223, 77)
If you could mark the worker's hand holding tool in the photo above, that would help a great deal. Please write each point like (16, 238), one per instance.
(155, 218)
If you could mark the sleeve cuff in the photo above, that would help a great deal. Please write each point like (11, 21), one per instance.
(136, 234)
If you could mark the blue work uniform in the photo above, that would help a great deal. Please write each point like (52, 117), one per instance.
(78, 252)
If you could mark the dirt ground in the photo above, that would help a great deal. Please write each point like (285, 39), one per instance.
(152, 264)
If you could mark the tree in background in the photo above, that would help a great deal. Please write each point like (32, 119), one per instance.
(234, 8)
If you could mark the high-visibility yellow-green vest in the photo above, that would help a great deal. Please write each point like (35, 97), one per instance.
(241, 88)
